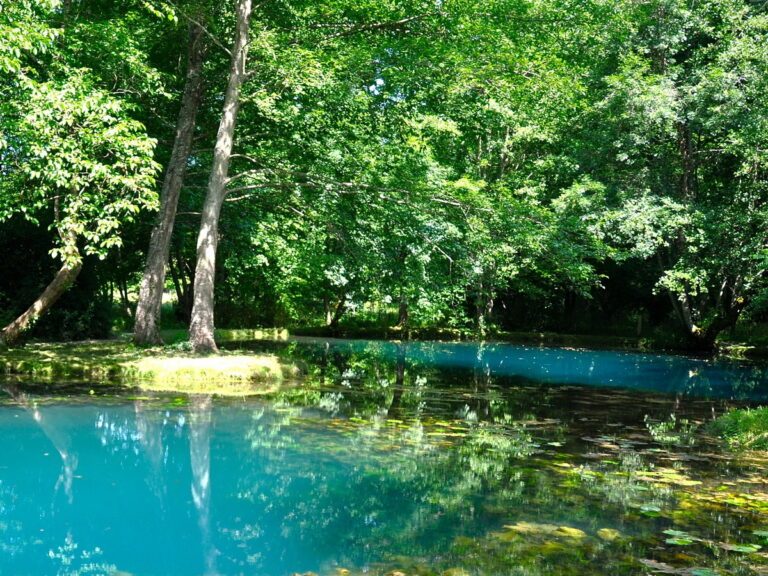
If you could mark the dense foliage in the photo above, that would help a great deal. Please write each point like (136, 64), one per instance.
(517, 164)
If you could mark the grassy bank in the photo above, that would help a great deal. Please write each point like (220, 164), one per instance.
(160, 368)
(743, 429)
(174, 367)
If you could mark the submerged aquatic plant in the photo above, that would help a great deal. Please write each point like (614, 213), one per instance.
(672, 431)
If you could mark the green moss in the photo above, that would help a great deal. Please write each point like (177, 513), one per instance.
(161, 368)
(745, 428)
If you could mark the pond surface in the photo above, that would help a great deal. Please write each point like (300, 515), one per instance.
(419, 459)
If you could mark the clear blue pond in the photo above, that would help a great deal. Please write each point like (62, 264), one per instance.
(421, 459)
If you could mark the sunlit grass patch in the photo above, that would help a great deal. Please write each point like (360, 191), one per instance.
(191, 370)
(152, 368)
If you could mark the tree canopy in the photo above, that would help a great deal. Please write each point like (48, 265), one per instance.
(504, 164)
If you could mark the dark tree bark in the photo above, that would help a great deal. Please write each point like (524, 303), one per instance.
(147, 324)
(122, 287)
(201, 328)
(182, 278)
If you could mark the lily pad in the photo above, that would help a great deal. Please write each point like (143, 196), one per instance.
(744, 548)
(608, 534)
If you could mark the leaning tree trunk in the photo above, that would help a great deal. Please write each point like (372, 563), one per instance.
(60, 283)
(147, 324)
(202, 325)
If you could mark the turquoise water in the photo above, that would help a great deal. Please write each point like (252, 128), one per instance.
(667, 373)
(423, 459)
(182, 491)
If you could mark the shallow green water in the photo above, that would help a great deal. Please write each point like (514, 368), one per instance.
(422, 459)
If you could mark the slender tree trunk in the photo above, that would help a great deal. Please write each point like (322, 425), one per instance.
(202, 325)
(181, 286)
(177, 286)
(327, 310)
(147, 324)
(60, 284)
(339, 311)
(187, 278)
(483, 307)
(683, 304)
(489, 303)
(688, 182)
(402, 313)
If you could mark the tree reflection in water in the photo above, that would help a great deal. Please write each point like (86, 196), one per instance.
(200, 461)
(57, 435)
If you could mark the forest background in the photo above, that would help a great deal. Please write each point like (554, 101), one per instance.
(475, 166)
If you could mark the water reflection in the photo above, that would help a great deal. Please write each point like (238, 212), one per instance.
(380, 462)
(58, 437)
(200, 461)
(149, 431)
(690, 376)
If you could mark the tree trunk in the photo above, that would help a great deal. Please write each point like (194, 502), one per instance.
(177, 286)
(483, 308)
(60, 283)
(122, 287)
(327, 310)
(729, 308)
(402, 313)
(202, 325)
(147, 326)
(339, 311)
(181, 286)
(688, 182)
(479, 320)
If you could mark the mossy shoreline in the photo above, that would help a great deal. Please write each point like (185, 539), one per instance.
(162, 368)
(174, 367)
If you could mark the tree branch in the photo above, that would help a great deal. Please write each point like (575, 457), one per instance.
(205, 30)
(375, 26)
